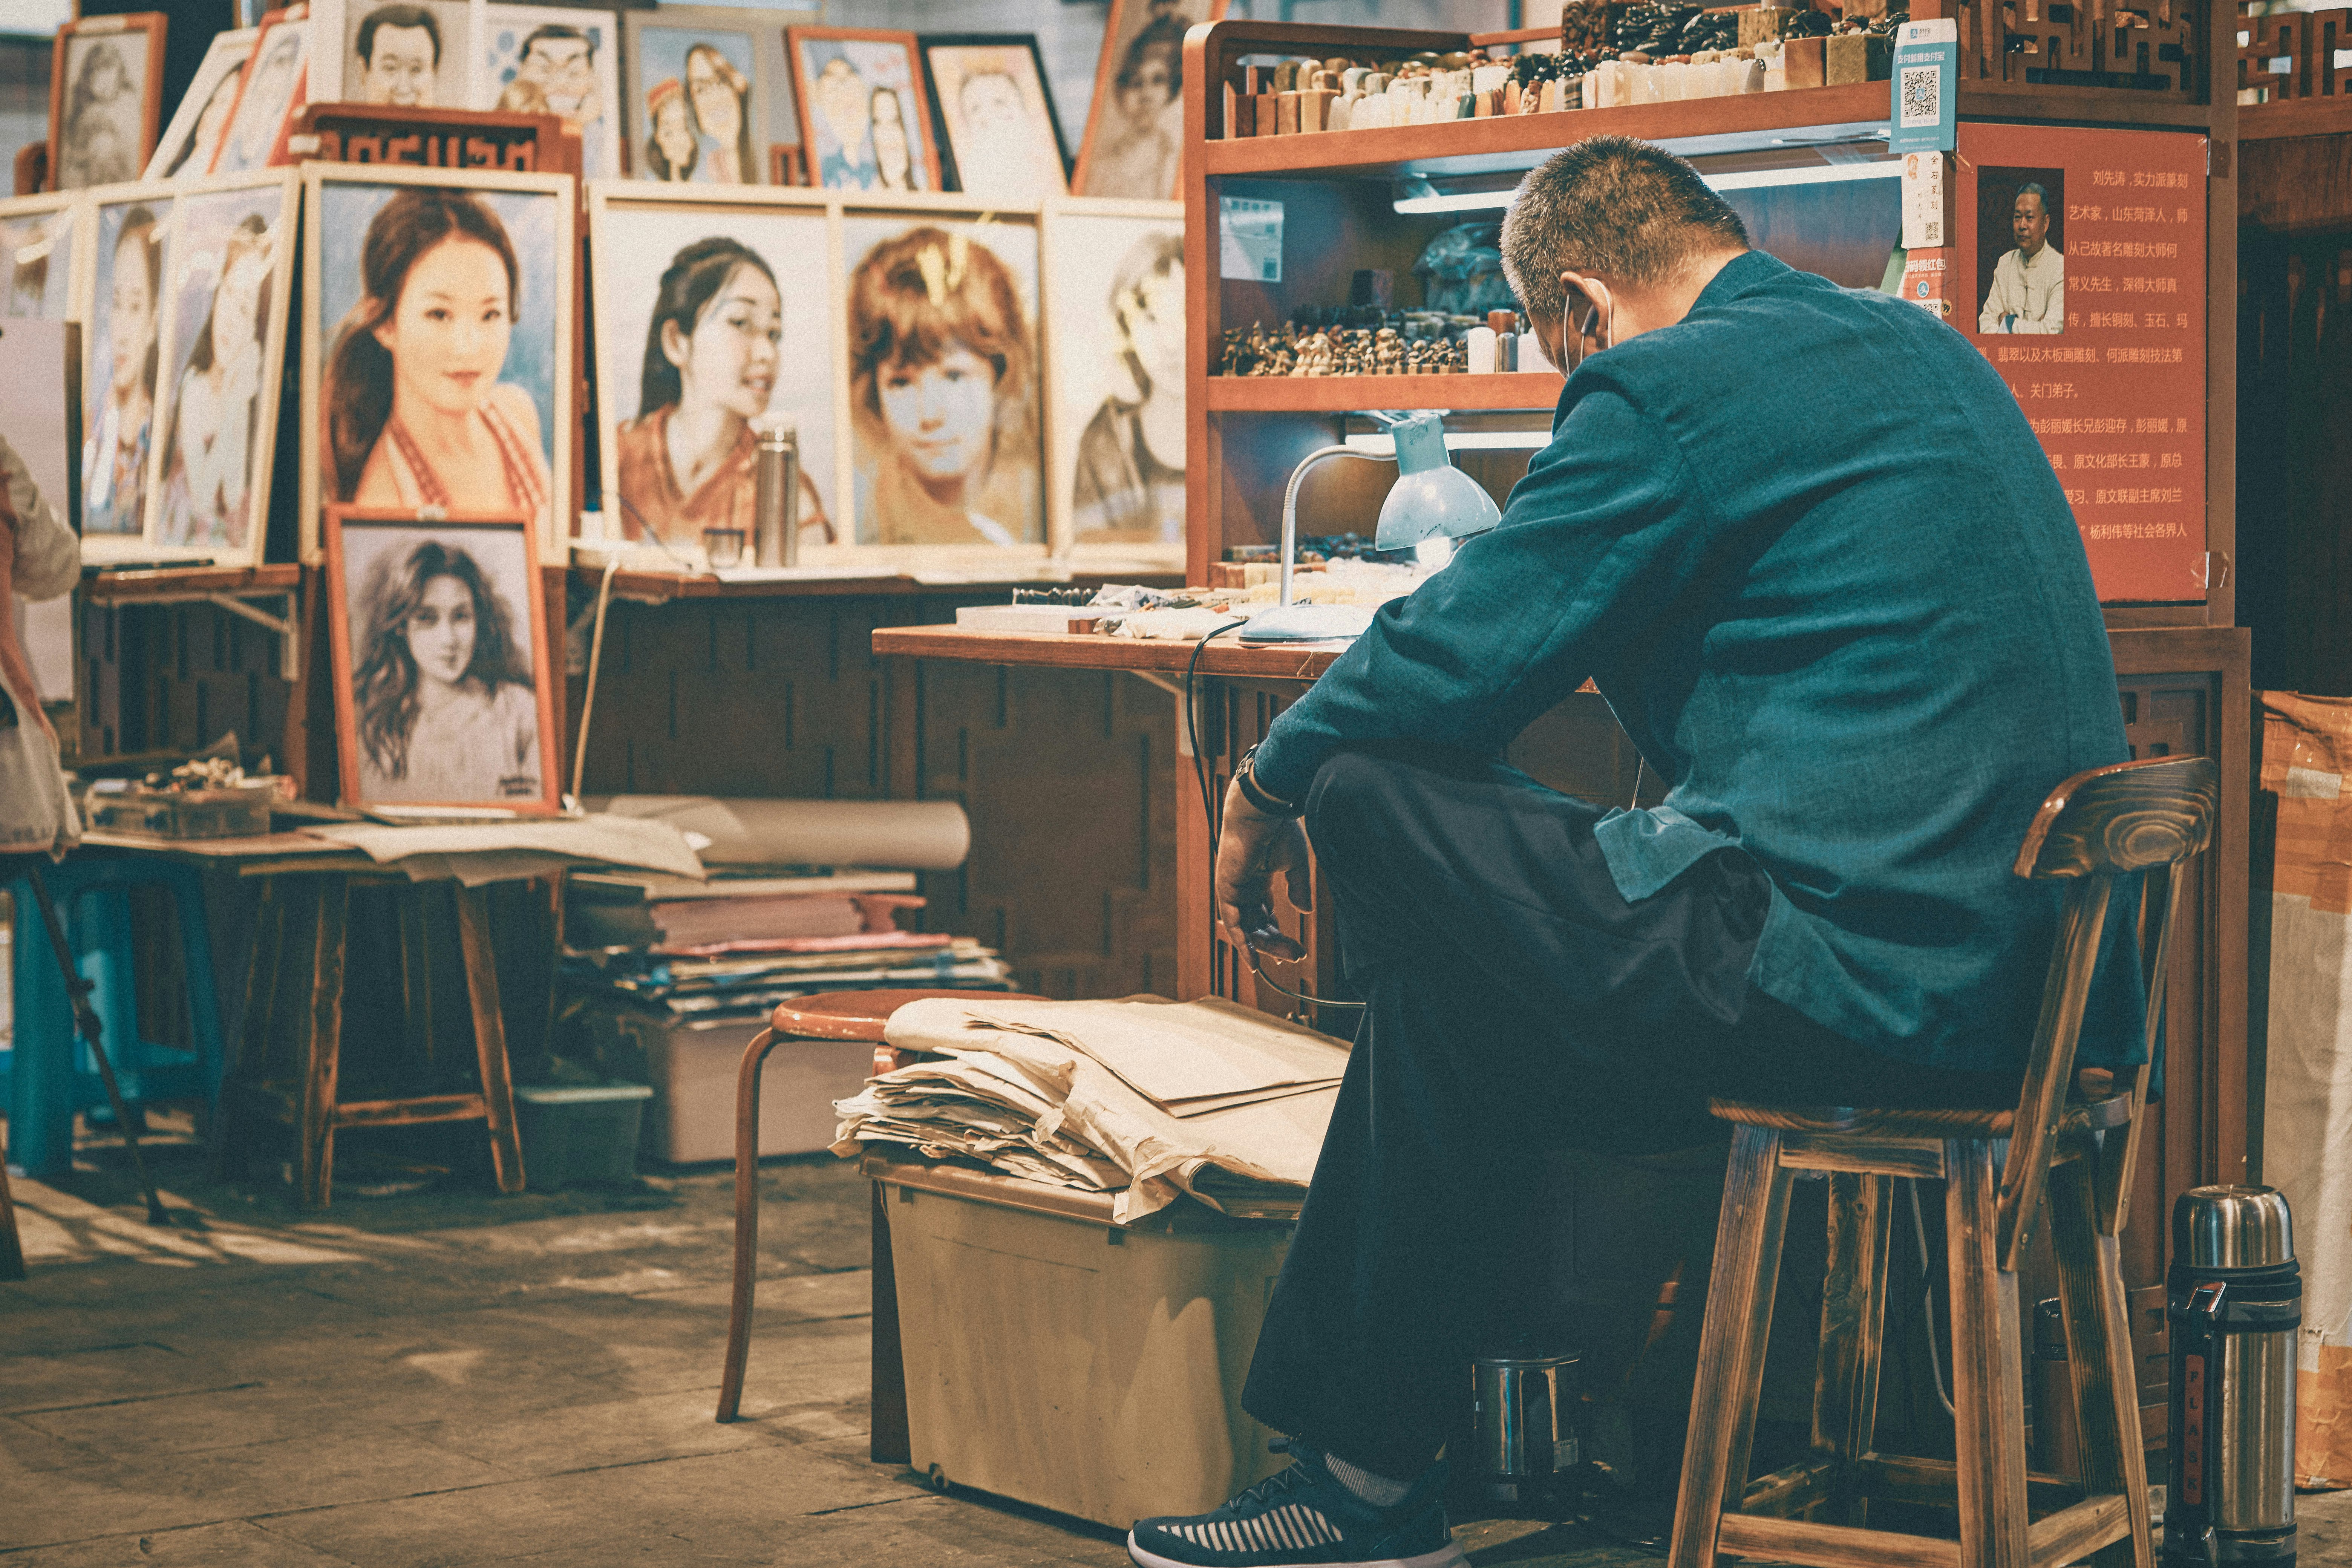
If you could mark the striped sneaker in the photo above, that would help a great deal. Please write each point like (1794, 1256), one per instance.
(1302, 1518)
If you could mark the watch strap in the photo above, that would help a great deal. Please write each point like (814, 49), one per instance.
(1245, 776)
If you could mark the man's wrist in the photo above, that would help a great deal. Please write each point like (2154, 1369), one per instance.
(1257, 794)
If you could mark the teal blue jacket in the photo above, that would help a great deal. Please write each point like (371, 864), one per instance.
(1806, 544)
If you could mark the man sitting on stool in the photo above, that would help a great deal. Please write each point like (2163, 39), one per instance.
(1806, 544)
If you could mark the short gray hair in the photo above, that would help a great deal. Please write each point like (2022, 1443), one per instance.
(1616, 207)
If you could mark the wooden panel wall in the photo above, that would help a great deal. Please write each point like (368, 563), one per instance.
(178, 675)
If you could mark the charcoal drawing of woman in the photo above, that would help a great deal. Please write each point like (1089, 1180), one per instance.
(1130, 471)
(688, 461)
(101, 123)
(414, 410)
(446, 710)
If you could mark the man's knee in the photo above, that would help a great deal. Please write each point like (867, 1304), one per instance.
(1364, 798)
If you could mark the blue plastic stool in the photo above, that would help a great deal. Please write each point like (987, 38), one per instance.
(49, 1074)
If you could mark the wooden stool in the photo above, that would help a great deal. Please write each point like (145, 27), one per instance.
(304, 919)
(2137, 817)
(828, 1016)
(12, 1251)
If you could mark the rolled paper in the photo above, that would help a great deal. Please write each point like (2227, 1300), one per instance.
(1482, 350)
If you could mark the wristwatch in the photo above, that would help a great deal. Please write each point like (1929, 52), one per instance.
(1245, 776)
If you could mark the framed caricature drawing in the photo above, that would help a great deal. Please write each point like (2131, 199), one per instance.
(1000, 137)
(443, 684)
(707, 303)
(106, 94)
(698, 94)
(538, 59)
(865, 123)
(438, 306)
(418, 54)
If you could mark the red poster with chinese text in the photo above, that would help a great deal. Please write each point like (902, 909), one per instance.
(2080, 273)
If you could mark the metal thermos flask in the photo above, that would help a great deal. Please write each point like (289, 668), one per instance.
(2235, 1301)
(776, 497)
(1523, 1407)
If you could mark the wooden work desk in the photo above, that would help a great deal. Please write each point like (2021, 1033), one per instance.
(285, 1062)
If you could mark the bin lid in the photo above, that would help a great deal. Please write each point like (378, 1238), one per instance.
(581, 1094)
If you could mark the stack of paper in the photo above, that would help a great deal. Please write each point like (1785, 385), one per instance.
(1145, 1098)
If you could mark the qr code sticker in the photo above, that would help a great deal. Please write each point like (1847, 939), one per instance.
(1923, 102)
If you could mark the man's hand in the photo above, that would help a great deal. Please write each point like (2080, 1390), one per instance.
(1253, 848)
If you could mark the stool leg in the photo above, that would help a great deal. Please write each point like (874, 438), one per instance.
(249, 1054)
(1731, 1344)
(747, 1221)
(2098, 1354)
(1987, 1368)
(323, 1044)
(12, 1251)
(489, 1035)
(1854, 1320)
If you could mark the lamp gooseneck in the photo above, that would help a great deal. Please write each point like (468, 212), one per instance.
(1290, 505)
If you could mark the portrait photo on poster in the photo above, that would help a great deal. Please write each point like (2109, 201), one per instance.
(444, 694)
(37, 236)
(417, 54)
(1001, 139)
(707, 317)
(121, 361)
(943, 380)
(1134, 145)
(225, 305)
(272, 90)
(865, 122)
(1118, 329)
(189, 142)
(536, 59)
(438, 306)
(698, 98)
(105, 98)
(2020, 250)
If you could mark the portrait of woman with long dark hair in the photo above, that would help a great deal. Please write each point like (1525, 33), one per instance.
(414, 409)
(446, 709)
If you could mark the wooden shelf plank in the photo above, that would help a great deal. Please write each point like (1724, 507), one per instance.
(1302, 662)
(182, 582)
(2294, 117)
(1343, 394)
(663, 587)
(1521, 141)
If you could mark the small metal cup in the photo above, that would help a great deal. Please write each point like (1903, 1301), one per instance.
(724, 546)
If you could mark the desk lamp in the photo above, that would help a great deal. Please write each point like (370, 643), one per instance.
(1432, 501)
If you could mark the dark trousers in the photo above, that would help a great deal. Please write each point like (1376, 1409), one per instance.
(1517, 1004)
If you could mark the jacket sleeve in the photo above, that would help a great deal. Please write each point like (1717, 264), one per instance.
(1596, 543)
(48, 555)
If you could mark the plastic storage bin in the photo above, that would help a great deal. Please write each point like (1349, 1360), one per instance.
(579, 1136)
(692, 1066)
(1060, 1360)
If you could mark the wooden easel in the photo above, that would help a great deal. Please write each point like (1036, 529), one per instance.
(303, 920)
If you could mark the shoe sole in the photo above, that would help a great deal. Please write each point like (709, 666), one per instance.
(1447, 1556)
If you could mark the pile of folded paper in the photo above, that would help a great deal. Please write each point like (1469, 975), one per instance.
(1145, 1098)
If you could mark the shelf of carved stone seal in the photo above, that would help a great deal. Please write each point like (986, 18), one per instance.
(1756, 120)
(1343, 394)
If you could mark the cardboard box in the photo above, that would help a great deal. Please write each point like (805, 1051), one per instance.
(1065, 1361)
(692, 1067)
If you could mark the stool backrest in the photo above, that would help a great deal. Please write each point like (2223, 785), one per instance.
(2144, 817)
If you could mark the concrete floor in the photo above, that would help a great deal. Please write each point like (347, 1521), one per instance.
(453, 1378)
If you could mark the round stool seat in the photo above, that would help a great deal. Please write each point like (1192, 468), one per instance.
(861, 1014)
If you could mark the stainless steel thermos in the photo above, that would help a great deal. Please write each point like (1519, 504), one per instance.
(1523, 1407)
(776, 492)
(2235, 1300)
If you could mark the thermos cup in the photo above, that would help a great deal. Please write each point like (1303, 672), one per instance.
(1523, 1406)
(776, 492)
(2235, 1301)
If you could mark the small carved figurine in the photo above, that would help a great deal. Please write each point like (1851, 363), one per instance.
(1388, 352)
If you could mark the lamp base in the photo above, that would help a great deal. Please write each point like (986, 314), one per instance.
(1307, 622)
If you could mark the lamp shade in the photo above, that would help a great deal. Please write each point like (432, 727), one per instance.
(1432, 498)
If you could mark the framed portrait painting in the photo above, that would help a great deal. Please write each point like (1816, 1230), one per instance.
(444, 693)
(439, 374)
(122, 285)
(709, 315)
(864, 122)
(189, 142)
(538, 59)
(39, 237)
(1134, 146)
(417, 54)
(1115, 318)
(221, 344)
(271, 90)
(106, 94)
(941, 321)
(999, 137)
(697, 95)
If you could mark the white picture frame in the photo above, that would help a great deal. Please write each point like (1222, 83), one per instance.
(188, 143)
(134, 222)
(41, 244)
(539, 367)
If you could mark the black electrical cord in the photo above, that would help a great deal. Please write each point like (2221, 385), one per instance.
(1209, 814)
